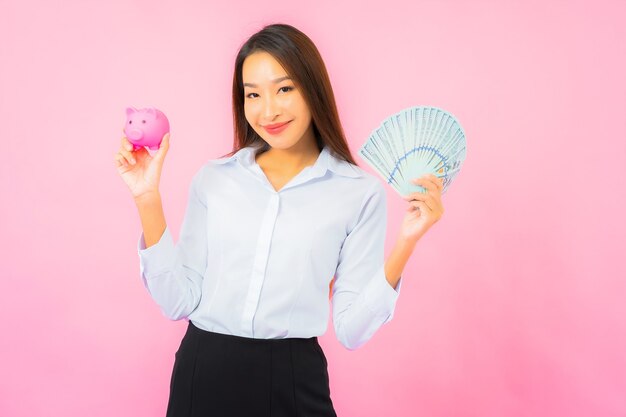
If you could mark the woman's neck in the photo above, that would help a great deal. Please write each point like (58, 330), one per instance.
(293, 159)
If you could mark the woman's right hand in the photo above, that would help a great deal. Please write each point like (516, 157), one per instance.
(140, 171)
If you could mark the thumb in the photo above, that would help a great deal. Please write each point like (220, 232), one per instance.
(163, 147)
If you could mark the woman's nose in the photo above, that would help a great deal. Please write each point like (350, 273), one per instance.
(270, 108)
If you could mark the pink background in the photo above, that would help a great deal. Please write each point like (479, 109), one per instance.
(512, 305)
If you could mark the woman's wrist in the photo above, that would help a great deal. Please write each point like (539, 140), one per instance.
(148, 198)
(407, 244)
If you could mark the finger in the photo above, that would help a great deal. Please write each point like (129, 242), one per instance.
(129, 149)
(429, 182)
(433, 201)
(414, 196)
(439, 182)
(431, 198)
(126, 144)
(422, 206)
(163, 147)
(429, 205)
(128, 155)
(434, 179)
(120, 161)
(414, 209)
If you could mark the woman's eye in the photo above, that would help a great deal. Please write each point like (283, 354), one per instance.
(285, 89)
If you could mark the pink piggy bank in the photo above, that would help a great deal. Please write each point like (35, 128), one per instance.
(145, 127)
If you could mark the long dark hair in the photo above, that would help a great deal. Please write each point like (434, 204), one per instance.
(300, 58)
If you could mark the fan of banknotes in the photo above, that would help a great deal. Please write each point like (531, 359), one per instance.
(416, 141)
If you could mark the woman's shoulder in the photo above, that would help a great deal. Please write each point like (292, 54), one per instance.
(343, 168)
(216, 162)
(209, 168)
(363, 178)
(356, 184)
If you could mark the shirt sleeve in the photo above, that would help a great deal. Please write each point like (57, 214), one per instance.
(173, 274)
(362, 298)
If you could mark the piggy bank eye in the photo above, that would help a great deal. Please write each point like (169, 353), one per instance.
(143, 121)
(130, 122)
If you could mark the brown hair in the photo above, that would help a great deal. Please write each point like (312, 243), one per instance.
(300, 58)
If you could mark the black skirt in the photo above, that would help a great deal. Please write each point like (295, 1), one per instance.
(218, 375)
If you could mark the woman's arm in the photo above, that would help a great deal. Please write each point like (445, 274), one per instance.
(424, 211)
(362, 298)
(366, 287)
(397, 260)
(173, 273)
(153, 222)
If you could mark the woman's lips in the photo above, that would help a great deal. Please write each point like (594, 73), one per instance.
(276, 128)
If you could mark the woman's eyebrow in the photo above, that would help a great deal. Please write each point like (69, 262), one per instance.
(275, 81)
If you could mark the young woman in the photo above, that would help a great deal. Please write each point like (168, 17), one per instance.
(267, 231)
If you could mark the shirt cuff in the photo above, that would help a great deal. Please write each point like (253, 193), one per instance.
(158, 257)
(380, 297)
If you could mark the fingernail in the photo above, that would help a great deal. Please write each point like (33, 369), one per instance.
(132, 161)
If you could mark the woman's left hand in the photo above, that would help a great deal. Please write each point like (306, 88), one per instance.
(424, 209)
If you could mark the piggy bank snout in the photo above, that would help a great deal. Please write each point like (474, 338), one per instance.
(135, 134)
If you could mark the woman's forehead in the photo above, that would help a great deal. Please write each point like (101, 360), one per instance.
(261, 67)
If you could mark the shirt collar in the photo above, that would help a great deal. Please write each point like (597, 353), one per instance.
(327, 160)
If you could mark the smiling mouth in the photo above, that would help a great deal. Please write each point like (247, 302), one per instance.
(276, 128)
(275, 125)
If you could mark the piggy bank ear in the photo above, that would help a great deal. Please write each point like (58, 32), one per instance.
(130, 110)
(150, 111)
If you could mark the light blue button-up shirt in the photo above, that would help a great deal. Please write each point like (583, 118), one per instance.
(254, 262)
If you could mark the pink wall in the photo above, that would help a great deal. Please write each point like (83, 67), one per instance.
(513, 305)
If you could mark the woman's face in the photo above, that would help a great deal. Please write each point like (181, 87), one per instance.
(271, 98)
